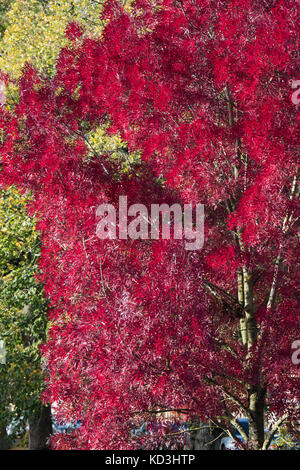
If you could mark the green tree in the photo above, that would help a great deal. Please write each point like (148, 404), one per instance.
(23, 312)
(35, 31)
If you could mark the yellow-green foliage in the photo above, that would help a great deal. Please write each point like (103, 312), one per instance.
(23, 308)
(17, 237)
(35, 31)
(101, 142)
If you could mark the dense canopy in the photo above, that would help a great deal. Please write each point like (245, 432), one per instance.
(201, 90)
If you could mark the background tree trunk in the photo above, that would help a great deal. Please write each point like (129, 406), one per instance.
(40, 429)
(206, 438)
(4, 439)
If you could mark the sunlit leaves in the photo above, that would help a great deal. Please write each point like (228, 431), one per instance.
(140, 326)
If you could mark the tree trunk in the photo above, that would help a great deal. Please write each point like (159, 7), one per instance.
(206, 438)
(256, 421)
(40, 429)
(4, 439)
(256, 393)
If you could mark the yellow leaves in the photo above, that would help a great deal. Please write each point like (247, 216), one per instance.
(99, 139)
(17, 233)
(36, 32)
(76, 93)
(58, 91)
(29, 37)
(103, 143)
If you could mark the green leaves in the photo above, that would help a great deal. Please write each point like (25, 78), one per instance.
(35, 31)
(23, 316)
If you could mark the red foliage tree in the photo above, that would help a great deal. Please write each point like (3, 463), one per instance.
(201, 89)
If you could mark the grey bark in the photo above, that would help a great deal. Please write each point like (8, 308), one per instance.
(4, 439)
(40, 429)
(205, 438)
